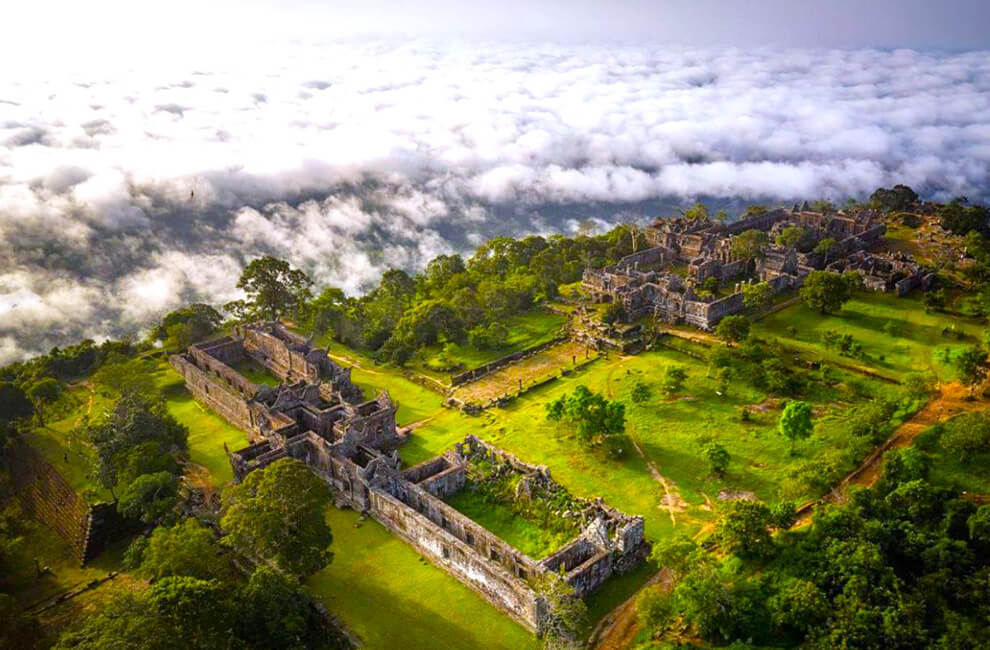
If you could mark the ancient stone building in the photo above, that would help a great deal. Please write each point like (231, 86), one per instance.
(319, 418)
(666, 280)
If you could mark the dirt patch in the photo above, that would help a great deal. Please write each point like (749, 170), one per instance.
(737, 495)
(619, 627)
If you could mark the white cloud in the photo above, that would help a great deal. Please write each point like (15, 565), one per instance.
(131, 190)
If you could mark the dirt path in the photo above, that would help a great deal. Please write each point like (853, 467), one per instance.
(618, 628)
(950, 401)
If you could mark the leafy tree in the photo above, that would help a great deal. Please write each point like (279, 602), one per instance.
(961, 219)
(14, 403)
(896, 199)
(795, 422)
(966, 435)
(757, 295)
(595, 416)
(197, 611)
(137, 437)
(149, 497)
(798, 606)
(755, 211)
(934, 299)
(733, 329)
(825, 291)
(721, 216)
(614, 313)
(273, 288)
(792, 237)
(276, 515)
(697, 212)
(187, 549)
(673, 379)
(640, 393)
(744, 527)
(43, 394)
(971, 365)
(126, 622)
(822, 205)
(119, 375)
(183, 327)
(276, 613)
(566, 612)
(748, 244)
(718, 458)
(826, 248)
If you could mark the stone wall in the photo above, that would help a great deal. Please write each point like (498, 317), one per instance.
(488, 368)
(47, 497)
(206, 388)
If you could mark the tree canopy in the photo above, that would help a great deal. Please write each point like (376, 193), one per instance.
(826, 292)
(595, 416)
(273, 288)
(276, 515)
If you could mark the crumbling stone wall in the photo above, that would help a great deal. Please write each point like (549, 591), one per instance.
(46, 496)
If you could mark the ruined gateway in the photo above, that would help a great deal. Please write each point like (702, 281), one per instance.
(319, 417)
(644, 283)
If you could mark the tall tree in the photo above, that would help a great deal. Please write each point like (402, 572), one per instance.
(825, 291)
(795, 422)
(972, 366)
(276, 515)
(273, 288)
(595, 416)
(748, 244)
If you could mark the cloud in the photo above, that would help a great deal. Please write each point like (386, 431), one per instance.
(128, 192)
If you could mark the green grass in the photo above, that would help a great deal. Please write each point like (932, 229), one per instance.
(208, 432)
(256, 373)
(531, 328)
(67, 452)
(382, 590)
(529, 537)
(914, 345)
(972, 477)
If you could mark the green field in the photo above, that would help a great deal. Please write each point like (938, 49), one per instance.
(208, 432)
(529, 537)
(256, 373)
(382, 590)
(911, 343)
(534, 327)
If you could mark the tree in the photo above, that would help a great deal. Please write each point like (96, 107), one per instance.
(187, 549)
(791, 237)
(733, 329)
(276, 613)
(966, 435)
(825, 291)
(136, 437)
(273, 288)
(744, 527)
(896, 199)
(755, 211)
(826, 247)
(565, 612)
(697, 212)
(718, 458)
(276, 515)
(795, 422)
(595, 416)
(971, 364)
(934, 299)
(43, 393)
(640, 393)
(14, 403)
(183, 327)
(614, 313)
(757, 296)
(199, 612)
(149, 497)
(119, 375)
(673, 379)
(748, 244)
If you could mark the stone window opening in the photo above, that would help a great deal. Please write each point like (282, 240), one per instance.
(469, 538)
(493, 554)
(446, 552)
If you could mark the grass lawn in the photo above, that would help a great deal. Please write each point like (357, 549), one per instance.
(207, 431)
(531, 328)
(946, 469)
(69, 454)
(382, 590)
(256, 373)
(529, 537)
(910, 344)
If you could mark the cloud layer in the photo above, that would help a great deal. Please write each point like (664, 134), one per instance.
(126, 193)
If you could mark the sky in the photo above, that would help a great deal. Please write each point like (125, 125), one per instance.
(146, 156)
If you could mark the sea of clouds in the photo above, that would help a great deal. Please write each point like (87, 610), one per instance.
(125, 193)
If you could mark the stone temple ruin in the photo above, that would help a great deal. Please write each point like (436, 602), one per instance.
(645, 283)
(317, 415)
